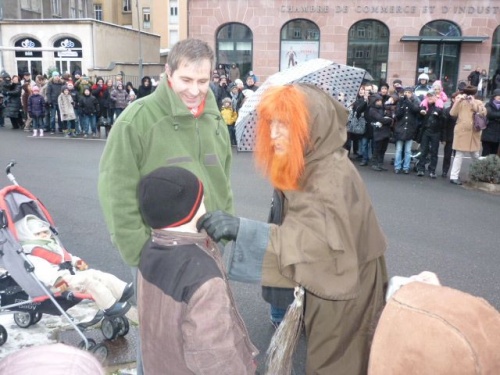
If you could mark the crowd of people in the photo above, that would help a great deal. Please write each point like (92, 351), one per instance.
(230, 93)
(420, 118)
(70, 104)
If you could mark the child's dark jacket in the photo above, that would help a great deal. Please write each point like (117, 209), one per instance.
(36, 105)
(188, 320)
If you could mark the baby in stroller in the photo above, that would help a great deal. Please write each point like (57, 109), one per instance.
(61, 271)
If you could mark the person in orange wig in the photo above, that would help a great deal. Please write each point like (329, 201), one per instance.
(329, 241)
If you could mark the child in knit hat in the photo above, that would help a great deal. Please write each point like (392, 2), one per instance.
(36, 110)
(182, 282)
(60, 271)
(230, 116)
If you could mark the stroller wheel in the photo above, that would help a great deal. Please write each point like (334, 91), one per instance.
(3, 335)
(38, 317)
(92, 343)
(109, 328)
(100, 352)
(123, 325)
(24, 319)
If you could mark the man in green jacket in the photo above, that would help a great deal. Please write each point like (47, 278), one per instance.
(178, 124)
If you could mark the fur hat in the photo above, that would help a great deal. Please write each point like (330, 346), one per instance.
(226, 100)
(397, 81)
(470, 90)
(169, 197)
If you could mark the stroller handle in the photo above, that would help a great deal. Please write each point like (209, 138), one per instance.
(10, 176)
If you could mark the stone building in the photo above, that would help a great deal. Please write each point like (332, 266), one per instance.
(389, 38)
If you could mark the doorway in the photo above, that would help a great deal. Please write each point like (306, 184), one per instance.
(441, 62)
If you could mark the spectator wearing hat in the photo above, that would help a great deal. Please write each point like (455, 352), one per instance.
(432, 133)
(219, 91)
(182, 283)
(465, 138)
(381, 131)
(250, 84)
(230, 116)
(36, 110)
(54, 89)
(490, 137)
(407, 112)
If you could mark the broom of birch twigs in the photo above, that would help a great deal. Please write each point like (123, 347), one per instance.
(285, 339)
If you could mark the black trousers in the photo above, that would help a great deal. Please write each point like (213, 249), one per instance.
(379, 150)
(430, 144)
(447, 156)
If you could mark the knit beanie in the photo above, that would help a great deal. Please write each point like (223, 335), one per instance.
(55, 73)
(169, 197)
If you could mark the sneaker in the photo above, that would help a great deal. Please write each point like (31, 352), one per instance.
(432, 175)
(376, 168)
(93, 135)
(85, 135)
(128, 292)
(397, 171)
(66, 135)
(455, 182)
(363, 163)
(52, 132)
(406, 171)
(118, 309)
(444, 175)
(420, 173)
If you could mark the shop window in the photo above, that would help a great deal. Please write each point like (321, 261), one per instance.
(368, 48)
(234, 44)
(495, 53)
(299, 42)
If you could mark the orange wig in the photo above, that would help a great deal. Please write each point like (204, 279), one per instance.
(287, 105)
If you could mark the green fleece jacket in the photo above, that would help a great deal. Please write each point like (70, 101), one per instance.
(155, 131)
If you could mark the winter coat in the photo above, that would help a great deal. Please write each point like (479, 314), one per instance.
(120, 98)
(377, 114)
(448, 125)
(407, 112)
(474, 78)
(465, 138)
(360, 107)
(83, 83)
(492, 131)
(229, 115)
(156, 131)
(181, 275)
(54, 89)
(432, 121)
(89, 105)
(12, 100)
(102, 95)
(36, 105)
(66, 107)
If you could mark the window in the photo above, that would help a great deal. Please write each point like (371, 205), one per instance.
(299, 42)
(146, 18)
(495, 53)
(33, 5)
(72, 9)
(98, 12)
(368, 47)
(56, 7)
(173, 37)
(235, 45)
(174, 12)
(127, 7)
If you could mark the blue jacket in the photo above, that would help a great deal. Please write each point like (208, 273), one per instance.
(36, 105)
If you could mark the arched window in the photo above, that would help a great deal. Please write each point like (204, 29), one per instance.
(69, 60)
(439, 58)
(495, 52)
(368, 48)
(299, 42)
(27, 59)
(234, 46)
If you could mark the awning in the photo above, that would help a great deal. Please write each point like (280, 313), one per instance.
(447, 39)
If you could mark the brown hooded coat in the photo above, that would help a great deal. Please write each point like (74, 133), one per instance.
(330, 242)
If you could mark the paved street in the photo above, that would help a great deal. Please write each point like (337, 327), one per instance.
(430, 224)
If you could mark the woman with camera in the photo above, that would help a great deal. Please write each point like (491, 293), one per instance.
(465, 138)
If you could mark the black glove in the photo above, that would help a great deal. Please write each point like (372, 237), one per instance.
(219, 225)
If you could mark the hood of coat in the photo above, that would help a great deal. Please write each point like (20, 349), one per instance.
(28, 225)
(327, 123)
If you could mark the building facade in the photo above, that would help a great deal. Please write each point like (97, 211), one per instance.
(44, 35)
(446, 39)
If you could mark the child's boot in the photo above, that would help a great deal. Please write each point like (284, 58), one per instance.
(41, 132)
(35, 132)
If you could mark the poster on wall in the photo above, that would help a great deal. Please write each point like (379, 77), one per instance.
(294, 52)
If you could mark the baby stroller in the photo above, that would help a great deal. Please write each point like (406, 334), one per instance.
(22, 292)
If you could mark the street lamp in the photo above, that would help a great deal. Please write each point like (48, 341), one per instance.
(140, 41)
